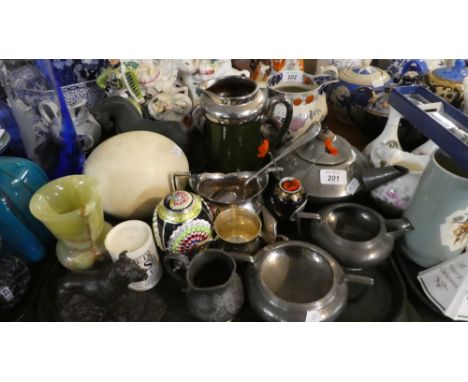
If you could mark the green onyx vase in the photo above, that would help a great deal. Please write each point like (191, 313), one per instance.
(71, 208)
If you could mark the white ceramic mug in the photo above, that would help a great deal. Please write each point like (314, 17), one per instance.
(136, 237)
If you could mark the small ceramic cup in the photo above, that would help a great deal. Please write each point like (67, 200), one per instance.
(136, 237)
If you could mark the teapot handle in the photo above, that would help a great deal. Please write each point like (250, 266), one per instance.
(354, 94)
(283, 128)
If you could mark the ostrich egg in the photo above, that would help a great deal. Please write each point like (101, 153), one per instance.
(134, 172)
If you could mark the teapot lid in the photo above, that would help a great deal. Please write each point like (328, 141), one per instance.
(179, 206)
(231, 100)
(367, 75)
(457, 73)
(317, 152)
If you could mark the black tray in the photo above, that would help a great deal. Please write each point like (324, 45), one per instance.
(26, 309)
(409, 271)
(385, 301)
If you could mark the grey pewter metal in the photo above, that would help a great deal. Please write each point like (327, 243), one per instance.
(373, 239)
(328, 297)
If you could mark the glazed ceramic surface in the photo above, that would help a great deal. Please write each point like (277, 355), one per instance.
(27, 237)
(438, 212)
(398, 67)
(288, 196)
(133, 171)
(306, 95)
(447, 82)
(351, 94)
(395, 196)
(135, 239)
(233, 110)
(47, 132)
(8, 123)
(181, 222)
(70, 207)
(192, 72)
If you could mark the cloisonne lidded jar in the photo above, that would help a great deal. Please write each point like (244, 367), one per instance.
(181, 222)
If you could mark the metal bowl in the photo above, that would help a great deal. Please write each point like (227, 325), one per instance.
(357, 236)
(297, 281)
(222, 191)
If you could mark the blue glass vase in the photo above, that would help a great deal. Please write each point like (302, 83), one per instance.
(45, 124)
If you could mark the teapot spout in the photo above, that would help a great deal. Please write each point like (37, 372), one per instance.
(374, 177)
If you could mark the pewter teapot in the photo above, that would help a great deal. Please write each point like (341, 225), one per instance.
(332, 170)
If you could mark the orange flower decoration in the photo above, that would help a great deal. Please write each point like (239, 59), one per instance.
(297, 101)
(309, 99)
(263, 149)
(307, 80)
(330, 148)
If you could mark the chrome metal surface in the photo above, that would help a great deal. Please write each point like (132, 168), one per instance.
(293, 281)
(232, 100)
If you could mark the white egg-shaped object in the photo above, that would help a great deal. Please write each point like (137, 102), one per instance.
(134, 172)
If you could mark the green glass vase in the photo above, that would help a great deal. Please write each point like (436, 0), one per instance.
(71, 208)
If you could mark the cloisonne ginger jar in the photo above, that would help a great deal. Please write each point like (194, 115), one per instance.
(181, 223)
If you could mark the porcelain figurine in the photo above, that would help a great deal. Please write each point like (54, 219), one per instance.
(356, 87)
(121, 80)
(181, 222)
(447, 82)
(193, 72)
(71, 208)
(281, 65)
(306, 95)
(173, 106)
(154, 76)
(19, 230)
(133, 171)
